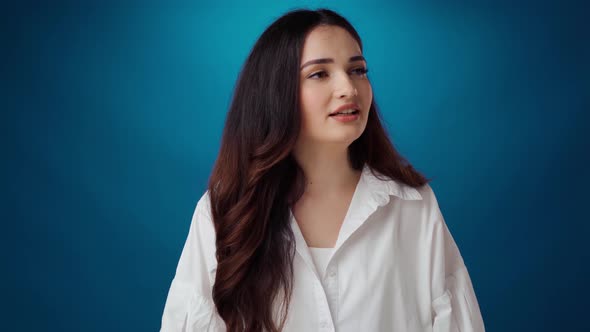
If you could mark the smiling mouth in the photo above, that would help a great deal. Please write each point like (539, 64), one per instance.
(345, 113)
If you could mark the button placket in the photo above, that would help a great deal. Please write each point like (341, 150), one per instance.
(324, 314)
(331, 289)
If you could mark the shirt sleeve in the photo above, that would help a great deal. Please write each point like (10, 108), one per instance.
(456, 309)
(189, 305)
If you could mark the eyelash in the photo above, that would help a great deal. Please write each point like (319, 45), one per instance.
(359, 71)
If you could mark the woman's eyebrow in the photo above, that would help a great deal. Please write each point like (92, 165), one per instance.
(330, 60)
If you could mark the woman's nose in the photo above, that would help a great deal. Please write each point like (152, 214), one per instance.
(345, 87)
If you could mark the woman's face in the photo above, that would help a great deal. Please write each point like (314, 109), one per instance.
(333, 75)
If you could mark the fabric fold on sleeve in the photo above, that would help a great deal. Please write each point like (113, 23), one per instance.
(457, 309)
(454, 305)
(189, 306)
(186, 310)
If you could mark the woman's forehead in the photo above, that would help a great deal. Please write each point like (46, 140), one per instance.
(329, 42)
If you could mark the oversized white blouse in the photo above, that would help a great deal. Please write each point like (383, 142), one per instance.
(395, 267)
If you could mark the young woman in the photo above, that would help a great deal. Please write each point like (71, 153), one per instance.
(312, 221)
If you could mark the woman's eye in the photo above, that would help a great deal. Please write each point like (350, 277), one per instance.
(360, 71)
(319, 74)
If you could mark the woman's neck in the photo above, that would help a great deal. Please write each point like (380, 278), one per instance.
(326, 168)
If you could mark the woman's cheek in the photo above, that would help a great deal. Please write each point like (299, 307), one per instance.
(367, 96)
(313, 103)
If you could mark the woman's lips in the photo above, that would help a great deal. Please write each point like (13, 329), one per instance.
(346, 117)
(350, 106)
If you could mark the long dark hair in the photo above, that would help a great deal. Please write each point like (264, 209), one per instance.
(256, 179)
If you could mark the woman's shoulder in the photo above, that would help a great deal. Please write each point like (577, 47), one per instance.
(204, 205)
(424, 194)
(202, 221)
(428, 195)
(420, 203)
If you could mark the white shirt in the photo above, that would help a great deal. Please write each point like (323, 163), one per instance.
(395, 267)
(321, 257)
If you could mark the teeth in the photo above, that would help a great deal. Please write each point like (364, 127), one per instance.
(349, 111)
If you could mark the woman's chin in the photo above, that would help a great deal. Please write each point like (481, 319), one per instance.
(345, 139)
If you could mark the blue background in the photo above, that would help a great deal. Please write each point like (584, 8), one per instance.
(112, 114)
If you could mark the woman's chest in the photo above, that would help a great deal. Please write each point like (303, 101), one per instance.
(320, 221)
(374, 281)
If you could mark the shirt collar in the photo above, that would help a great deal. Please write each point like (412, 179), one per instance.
(382, 186)
(372, 191)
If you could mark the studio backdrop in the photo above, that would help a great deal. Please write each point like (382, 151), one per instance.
(113, 113)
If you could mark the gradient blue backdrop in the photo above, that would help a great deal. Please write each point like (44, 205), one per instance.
(113, 112)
